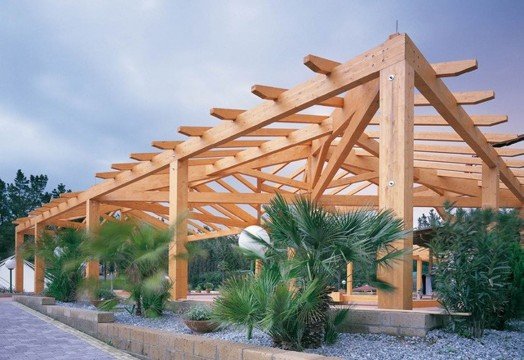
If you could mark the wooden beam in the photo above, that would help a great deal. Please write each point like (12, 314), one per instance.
(19, 262)
(490, 187)
(320, 65)
(445, 103)
(463, 150)
(178, 213)
(353, 179)
(449, 136)
(206, 198)
(454, 68)
(437, 120)
(362, 104)
(462, 98)
(39, 263)
(396, 176)
(273, 93)
(92, 225)
(214, 234)
(297, 137)
(443, 69)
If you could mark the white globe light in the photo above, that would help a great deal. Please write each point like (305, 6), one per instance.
(10, 264)
(58, 251)
(246, 241)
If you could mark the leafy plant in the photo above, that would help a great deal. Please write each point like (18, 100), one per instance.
(208, 286)
(139, 253)
(199, 313)
(290, 298)
(478, 267)
(63, 266)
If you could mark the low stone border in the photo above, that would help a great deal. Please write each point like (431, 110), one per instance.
(155, 344)
(392, 322)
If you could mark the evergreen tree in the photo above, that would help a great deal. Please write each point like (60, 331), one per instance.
(17, 199)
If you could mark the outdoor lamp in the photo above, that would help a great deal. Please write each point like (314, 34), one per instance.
(247, 242)
(10, 265)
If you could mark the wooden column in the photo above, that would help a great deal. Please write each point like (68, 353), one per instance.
(490, 187)
(92, 224)
(178, 211)
(39, 263)
(258, 262)
(419, 275)
(19, 270)
(396, 175)
(349, 280)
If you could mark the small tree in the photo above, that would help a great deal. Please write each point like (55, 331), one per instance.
(139, 253)
(475, 252)
(60, 251)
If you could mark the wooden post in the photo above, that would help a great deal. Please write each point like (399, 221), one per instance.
(19, 270)
(39, 264)
(258, 262)
(419, 275)
(92, 224)
(349, 280)
(396, 176)
(178, 211)
(490, 187)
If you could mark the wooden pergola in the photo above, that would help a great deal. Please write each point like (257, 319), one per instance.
(347, 137)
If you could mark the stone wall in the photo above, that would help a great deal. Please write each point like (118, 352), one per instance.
(392, 322)
(155, 344)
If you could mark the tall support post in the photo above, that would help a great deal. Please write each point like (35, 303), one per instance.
(178, 211)
(39, 263)
(396, 176)
(258, 262)
(19, 267)
(490, 187)
(92, 225)
(419, 275)
(349, 281)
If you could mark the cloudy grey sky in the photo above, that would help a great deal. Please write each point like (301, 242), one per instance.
(85, 83)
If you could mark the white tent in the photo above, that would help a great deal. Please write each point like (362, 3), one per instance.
(29, 276)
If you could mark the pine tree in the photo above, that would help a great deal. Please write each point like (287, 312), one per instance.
(17, 199)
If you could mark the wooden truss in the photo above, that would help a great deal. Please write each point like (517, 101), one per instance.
(348, 137)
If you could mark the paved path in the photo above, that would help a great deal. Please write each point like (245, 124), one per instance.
(27, 334)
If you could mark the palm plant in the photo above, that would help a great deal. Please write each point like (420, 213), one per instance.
(139, 253)
(60, 252)
(321, 243)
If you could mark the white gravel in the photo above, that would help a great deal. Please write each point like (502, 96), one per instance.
(438, 344)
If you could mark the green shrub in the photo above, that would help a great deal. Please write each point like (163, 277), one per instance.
(199, 313)
(60, 252)
(208, 286)
(139, 253)
(289, 299)
(478, 267)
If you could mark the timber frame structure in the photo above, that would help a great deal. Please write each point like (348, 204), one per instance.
(363, 151)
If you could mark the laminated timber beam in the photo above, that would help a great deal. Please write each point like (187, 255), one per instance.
(361, 105)
(338, 200)
(396, 174)
(463, 98)
(443, 69)
(446, 105)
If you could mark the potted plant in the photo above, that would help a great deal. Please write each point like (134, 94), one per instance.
(198, 319)
(198, 288)
(208, 286)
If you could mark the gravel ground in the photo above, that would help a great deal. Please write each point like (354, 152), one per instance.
(438, 344)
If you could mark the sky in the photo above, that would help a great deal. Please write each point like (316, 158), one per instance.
(85, 83)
